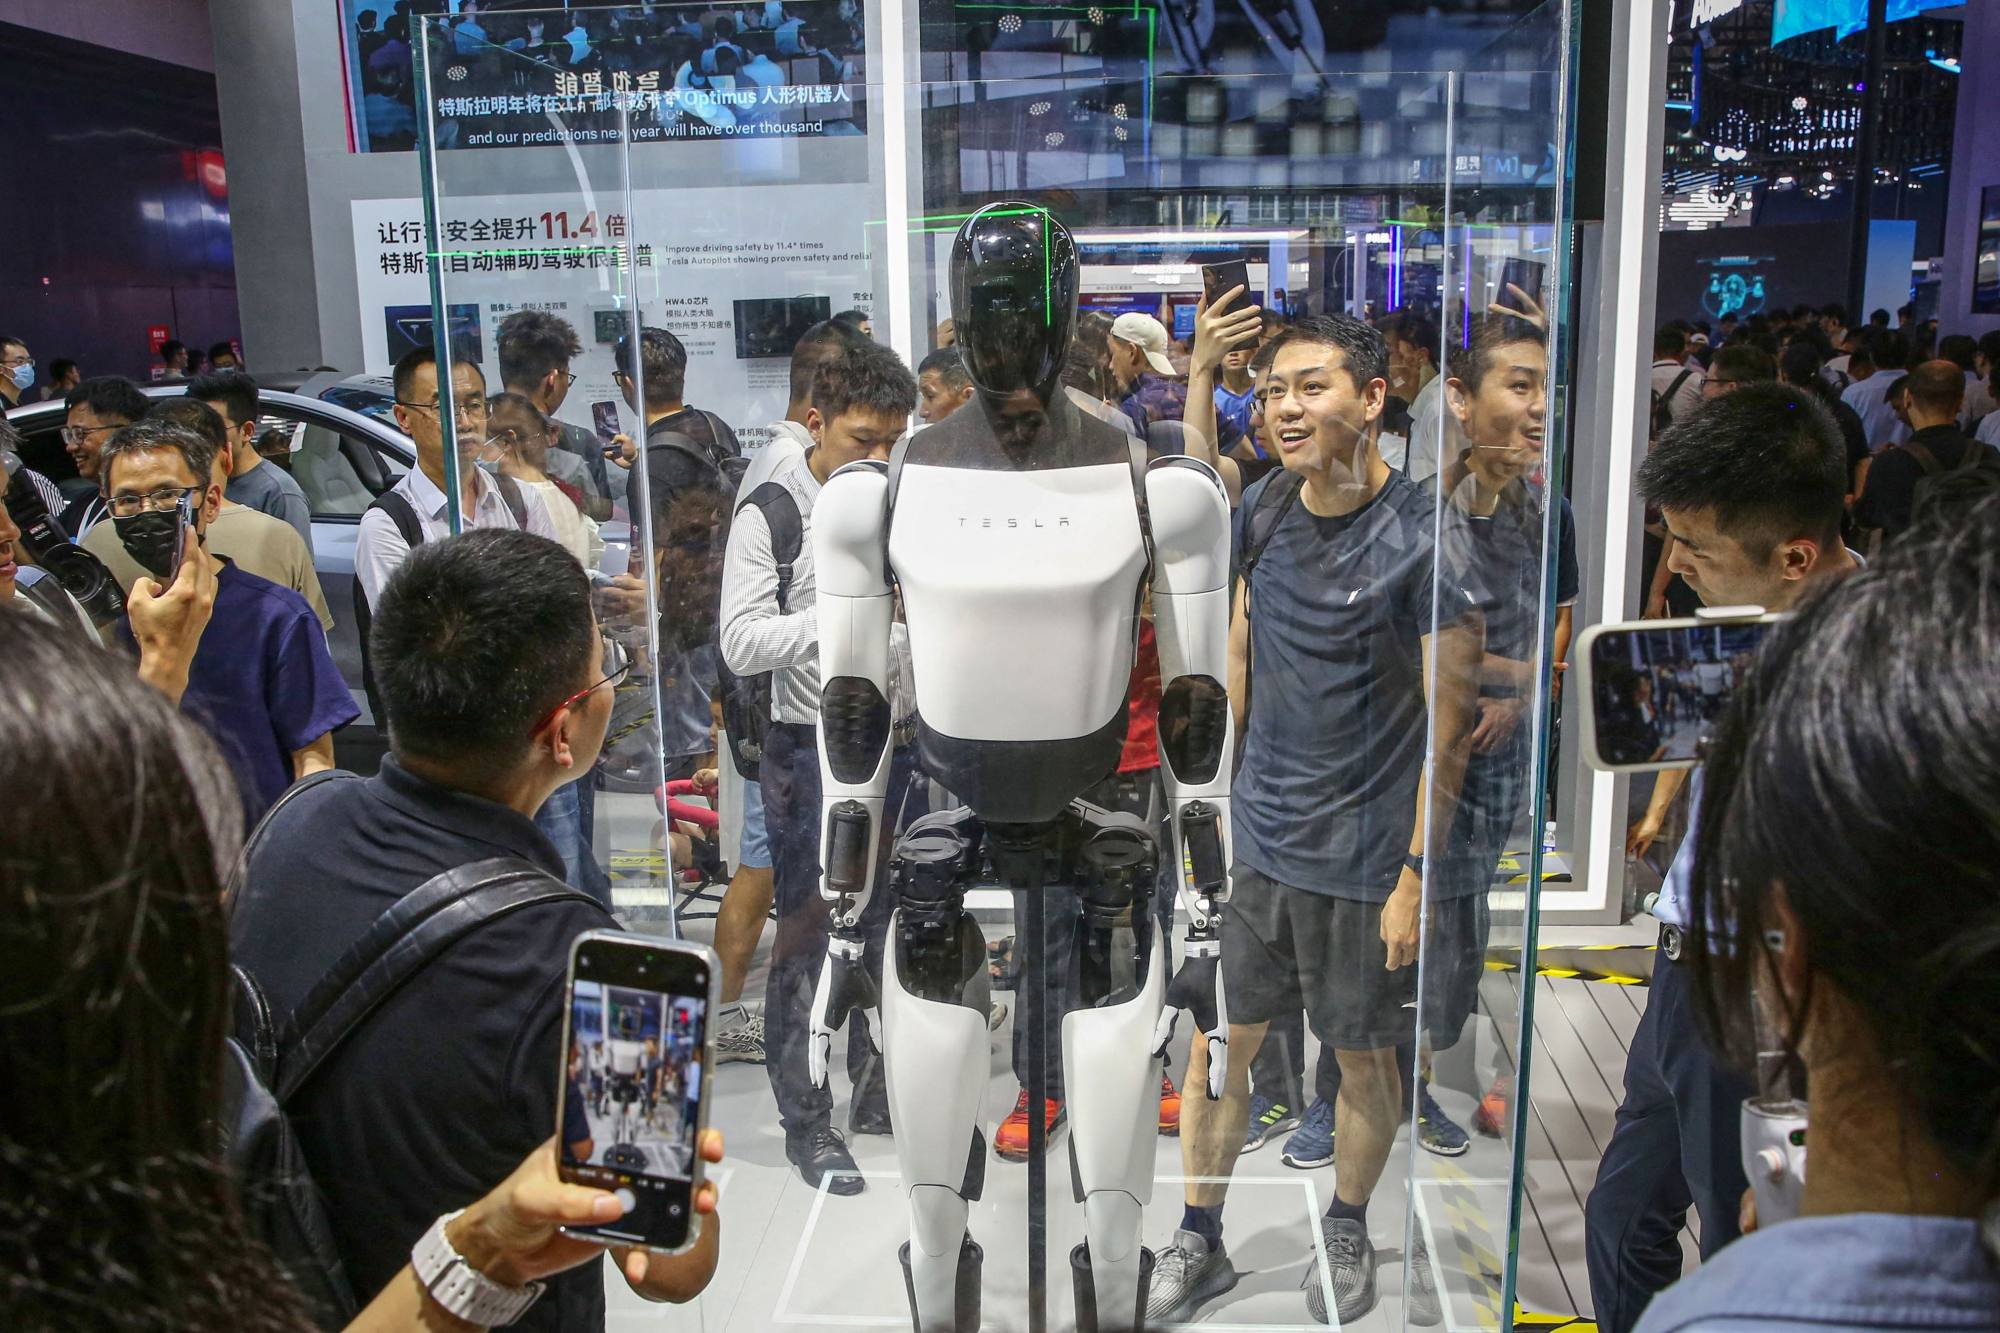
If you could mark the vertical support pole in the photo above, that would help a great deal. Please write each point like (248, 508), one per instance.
(434, 263)
(1865, 152)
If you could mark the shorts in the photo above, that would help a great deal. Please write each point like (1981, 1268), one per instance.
(1284, 948)
(753, 849)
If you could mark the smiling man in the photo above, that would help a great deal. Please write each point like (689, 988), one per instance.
(1333, 635)
(97, 409)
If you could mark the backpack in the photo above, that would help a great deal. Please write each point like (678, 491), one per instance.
(746, 700)
(1663, 403)
(404, 515)
(272, 1058)
(1980, 462)
(1275, 501)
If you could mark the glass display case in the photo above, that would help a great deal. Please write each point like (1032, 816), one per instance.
(1390, 563)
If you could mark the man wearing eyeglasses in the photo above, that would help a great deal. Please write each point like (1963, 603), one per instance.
(262, 682)
(536, 349)
(415, 507)
(17, 371)
(98, 408)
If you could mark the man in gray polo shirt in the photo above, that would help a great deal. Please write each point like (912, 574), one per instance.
(253, 482)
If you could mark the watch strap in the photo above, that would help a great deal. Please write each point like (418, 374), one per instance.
(462, 1290)
(1414, 861)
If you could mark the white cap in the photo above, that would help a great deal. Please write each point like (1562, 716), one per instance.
(1148, 335)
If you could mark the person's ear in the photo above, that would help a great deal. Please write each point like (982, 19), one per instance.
(211, 504)
(965, 395)
(557, 736)
(1374, 398)
(1799, 558)
(1456, 398)
(815, 425)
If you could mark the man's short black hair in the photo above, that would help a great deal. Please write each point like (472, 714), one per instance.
(1669, 342)
(854, 319)
(156, 433)
(1417, 332)
(192, 414)
(1768, 459)
(1962, 348)
(948, 365)
(533, 343)
(870, 378)
(1834, 310)
(1743, 363)
(236, 391)
(414, 360)
(59, 368)
(475, 640)
(824, 341)
(221, 349)
(664, 361)
(9, 340)
(172, 348)
(1888, 349)
(1361, 349)
(1469, 362)
(108, 396)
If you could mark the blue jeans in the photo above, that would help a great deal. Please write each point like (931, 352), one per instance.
(568, 817)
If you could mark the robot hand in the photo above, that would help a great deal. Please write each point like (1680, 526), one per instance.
(1198, 987)
(844, 986)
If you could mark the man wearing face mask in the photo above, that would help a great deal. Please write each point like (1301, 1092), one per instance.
(17, 372)
(262, 681)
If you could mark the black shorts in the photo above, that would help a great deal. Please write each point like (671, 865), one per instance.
(1284, 949)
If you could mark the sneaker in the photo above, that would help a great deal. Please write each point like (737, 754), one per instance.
(1011, 1139)
(820, 1153)
(1491, 1117)
(1311, 1144)
(1350, 1262)
(741, 1042)
(1186, 1276)
(996, 1014)
(1438, 1132)
(1268, 1119)
(1170, 1106)
(1425, 1309)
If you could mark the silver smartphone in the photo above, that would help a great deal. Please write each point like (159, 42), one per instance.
(1655, 688)
(632, 1098)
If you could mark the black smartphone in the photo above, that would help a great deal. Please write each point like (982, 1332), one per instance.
(632, 1098)
(1655, 688)
(604, 415)
(1218, 279)
(1523, 273)
(184, 513)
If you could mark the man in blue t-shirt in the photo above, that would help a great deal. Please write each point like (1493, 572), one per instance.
(262, 683)
(1752, 487)
(1340, 614)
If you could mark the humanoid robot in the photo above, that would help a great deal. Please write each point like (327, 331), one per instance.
(1022, 535)
(627, 1061)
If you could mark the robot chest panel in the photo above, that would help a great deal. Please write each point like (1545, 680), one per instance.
(1020, 589)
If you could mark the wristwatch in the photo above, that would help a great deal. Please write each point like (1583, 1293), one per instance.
(463, 1290)
(1414, 861)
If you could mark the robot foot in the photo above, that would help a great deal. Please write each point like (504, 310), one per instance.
(966, 1317)
(1086, 1291)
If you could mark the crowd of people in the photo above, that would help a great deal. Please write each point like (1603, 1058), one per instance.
(1387, 668)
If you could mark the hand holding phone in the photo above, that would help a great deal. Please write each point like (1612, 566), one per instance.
(1218, 279)
(633, 1094)
(604, 416)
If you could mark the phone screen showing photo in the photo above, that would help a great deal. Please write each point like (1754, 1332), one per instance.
(631, 1103)
(604, 415)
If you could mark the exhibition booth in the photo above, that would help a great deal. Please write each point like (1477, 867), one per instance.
(737, 174)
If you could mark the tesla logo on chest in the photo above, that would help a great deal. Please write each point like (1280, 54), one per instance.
(1013, 521)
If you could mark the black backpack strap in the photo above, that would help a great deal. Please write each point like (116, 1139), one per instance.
(1139, 461)
(403, 514)
(1273, 503)
(255, 1028)
(1926, 460)
(517, 503)
(285, 798)
(420, 926)
(788, 533)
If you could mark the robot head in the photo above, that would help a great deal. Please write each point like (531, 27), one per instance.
(628, 1024)
(1014, 283)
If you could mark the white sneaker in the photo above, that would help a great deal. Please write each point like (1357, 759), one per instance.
(741, 1041)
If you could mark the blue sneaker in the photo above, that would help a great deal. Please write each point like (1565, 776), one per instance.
(1436, 1131)
(1311, 1144)
(1268, 1119)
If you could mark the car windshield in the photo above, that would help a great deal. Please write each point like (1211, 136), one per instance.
(368, 401)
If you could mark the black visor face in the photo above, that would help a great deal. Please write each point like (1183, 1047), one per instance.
(1014, 281)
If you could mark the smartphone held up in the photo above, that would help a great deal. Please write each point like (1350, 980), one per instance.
(633, 1094)
(1655, 688)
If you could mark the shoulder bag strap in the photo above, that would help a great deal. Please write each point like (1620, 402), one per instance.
(781, 516)
(420, 926)
(403, 514)
(285, 798)
(1926, 460)
(517, 504)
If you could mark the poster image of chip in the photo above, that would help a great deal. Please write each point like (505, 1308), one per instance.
(507, 75)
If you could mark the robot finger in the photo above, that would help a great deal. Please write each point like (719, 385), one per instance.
(818, 1048)
(874, 1028)
(1163, 1031)
(1218, 1062)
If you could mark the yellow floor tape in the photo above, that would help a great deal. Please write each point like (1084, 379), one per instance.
(1543, 1323)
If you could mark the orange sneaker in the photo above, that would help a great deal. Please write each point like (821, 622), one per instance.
(1011, 1139)
(1170, 1106)
(1490, 1118)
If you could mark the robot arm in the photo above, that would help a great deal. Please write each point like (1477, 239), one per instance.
(1189, 515)
(855, 611)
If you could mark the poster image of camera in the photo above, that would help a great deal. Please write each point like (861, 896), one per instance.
(504, 74)
(635, 1069)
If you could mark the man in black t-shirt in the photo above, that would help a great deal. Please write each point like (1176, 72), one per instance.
(1936, 393)
(1332, 635)
(491, 669)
